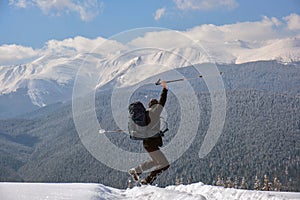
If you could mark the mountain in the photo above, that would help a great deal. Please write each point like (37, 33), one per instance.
(40, 143)
(50, 77)
(284, 50)
(79, 191)
(260, 134)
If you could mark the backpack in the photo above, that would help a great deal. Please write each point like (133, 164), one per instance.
(138, 123)
(138, 113)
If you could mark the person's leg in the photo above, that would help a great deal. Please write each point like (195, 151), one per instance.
(158, 159)
(135, 172)
(158, 171)
(149, 163)
(162, 164)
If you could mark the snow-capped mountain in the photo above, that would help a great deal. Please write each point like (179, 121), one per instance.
(49, 78)
(238, 51)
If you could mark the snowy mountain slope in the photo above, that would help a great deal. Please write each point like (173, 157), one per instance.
(239, 51)
(50, 77)
(283, 50)
(79, 191)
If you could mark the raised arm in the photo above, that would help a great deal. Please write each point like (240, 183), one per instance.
(156, 109)
(163, 95)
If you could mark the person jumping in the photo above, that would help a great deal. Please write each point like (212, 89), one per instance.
(153, 142)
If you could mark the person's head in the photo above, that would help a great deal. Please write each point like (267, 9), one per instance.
(152, 102)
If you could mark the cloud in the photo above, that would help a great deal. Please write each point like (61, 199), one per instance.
(205, 4)
(87, 9)
(252, 35)
(164, 38)
(159, 13)
(265, 29)
(16, 54)
(71, 47)
(19, 3)
(81, 44)
(293, 21)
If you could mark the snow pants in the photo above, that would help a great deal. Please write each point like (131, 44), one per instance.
(158, 159)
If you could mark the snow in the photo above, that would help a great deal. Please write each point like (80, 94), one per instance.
(50, 75)
(238, 51)
(89, 191)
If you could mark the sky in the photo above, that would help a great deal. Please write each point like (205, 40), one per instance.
(32, 23)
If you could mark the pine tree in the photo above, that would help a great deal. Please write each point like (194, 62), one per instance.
(277, 184)
(266, 186)
(129, 184)
(256, 183)
(244, 185)
(177, 181)
(228, 183)
(181, 181)
(189, 180)
(235, 183)
(220, 181)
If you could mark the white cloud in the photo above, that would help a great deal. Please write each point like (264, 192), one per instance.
(19, 3)
(293, 21)
(256, 31)
(255, 34)
(16, 54)
(87, 9)
(266, 29)
(205, 4)
(161, 39)
(159, 13)
(77, 44)
(81, 44)
(70, 47)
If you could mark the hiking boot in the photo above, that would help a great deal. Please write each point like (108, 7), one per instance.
(148, 180)
(134, 174)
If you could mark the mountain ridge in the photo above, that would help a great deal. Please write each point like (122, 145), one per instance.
(31, 88)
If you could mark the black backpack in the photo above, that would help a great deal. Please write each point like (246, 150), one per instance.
(138, 114)
(138, 121)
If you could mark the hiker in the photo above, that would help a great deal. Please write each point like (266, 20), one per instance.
(152, 143)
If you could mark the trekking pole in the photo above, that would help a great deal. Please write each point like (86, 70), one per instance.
(102, 131)
(181, 79)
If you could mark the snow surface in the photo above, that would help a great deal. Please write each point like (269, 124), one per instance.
(86, 191)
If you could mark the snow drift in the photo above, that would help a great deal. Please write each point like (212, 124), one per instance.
(84, 191)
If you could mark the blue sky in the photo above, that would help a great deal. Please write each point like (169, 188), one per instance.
(34, 22)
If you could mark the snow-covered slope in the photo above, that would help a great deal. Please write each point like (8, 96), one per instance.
(79, 191)
(239, 51)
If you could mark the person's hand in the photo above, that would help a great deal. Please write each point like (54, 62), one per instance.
(163, 84)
